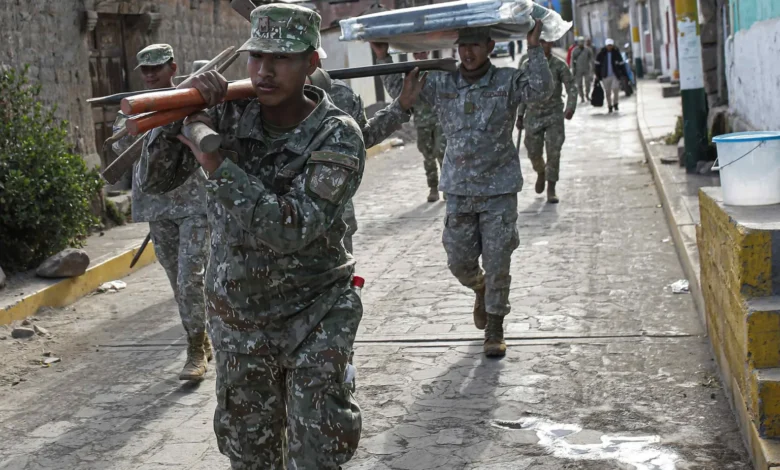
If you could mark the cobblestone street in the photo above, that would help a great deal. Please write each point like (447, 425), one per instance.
(606, 367)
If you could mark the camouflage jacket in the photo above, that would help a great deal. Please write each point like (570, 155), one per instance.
(277, 264)
(375, 130)
(582, 60)
(478, 121)
(424, 115)
(187, 200)
(541, 113)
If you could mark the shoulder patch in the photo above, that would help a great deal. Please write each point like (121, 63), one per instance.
(448, 96)
(347, 161)
(490, 94)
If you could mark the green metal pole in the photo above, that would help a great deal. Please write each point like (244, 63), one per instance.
(694, 99)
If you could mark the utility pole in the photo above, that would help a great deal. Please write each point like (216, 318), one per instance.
(694, 98)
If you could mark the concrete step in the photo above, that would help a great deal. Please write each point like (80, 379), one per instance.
(765, 402)
(671, 91)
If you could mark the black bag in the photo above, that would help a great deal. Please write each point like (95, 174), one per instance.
(626, 86)
(597, 97)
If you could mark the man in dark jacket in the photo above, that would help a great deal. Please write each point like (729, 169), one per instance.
(610, 70)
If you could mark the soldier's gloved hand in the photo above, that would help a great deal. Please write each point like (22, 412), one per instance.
(535, 34)
(380, 49)
(211, 85)
(569, 114)
(519, 124)
(413, 85)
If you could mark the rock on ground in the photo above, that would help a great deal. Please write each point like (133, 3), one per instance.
(67, 263)
(22, 332)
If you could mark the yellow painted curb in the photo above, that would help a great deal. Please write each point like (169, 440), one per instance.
(69, 290)
(379, 148)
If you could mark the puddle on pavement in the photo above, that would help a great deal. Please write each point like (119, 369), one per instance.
(643, 452)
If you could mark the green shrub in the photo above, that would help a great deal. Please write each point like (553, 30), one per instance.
(46, 190)
(674, 137)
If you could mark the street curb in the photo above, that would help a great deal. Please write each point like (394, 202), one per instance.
(688, 266)
(381, 147)
(70, 290)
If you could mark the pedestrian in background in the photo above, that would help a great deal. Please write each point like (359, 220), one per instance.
(610, 70)
(177, 223)
(544, 124)
(582, 67)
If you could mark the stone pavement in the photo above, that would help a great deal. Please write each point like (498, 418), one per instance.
(606, 368)
(679, 191)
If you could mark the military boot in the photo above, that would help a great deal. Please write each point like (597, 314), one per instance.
(540, 180)
(195, 368)
(551, 197)
(433, 196)
(494, 337)
(208, 349)
(480, 314)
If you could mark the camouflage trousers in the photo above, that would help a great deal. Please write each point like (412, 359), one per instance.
(552, 135)
(584, 81)
(292, 411)
(482, 226)
(181, 246)
(352, 225)
(431, 143)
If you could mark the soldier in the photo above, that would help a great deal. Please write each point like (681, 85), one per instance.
(177, 222)
(283, 315)
(544, 124)
(430, 140)
(375, 130)
(481, 175)
(582, 66)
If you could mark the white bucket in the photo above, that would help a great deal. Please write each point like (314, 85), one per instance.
(749, 164)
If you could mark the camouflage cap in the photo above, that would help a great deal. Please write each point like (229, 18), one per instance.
(156, 54)
(281, 27)
(473, 35)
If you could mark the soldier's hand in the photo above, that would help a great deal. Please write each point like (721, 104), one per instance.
(519, 124)
(380, 49)
(209, 161)
(569, 114)
(535, 34)
(413, 85)
(211, 85)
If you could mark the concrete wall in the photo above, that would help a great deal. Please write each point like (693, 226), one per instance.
(668, 35)
(745, 13)
(753, 73)
(739, 285)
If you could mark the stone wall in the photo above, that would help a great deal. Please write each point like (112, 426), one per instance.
(51, 36)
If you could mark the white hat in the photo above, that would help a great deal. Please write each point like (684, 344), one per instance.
(322, 53)
(610, 42)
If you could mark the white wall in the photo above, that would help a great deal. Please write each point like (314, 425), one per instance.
(349, 54)
(753, 74)
(668, 63)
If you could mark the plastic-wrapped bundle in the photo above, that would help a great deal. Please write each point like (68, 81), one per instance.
(435, 26)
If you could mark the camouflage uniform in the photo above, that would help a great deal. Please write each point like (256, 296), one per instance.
(481, 173)
(543, 120)
(375, 130)
(430, 141)
(177, 222)
(282, 313)
(582, 65)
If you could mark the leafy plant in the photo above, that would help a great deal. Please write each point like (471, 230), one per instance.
(46, 191)
(674, 137)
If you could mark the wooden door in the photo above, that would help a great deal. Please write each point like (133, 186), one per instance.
(108, 71)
